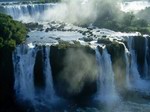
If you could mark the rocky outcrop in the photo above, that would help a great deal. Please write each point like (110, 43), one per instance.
(73, 78)
(140, 49)
(117, 50)
(7, 94)
(38, 70)
(74, 69)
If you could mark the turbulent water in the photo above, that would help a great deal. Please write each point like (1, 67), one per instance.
(108, 97)
(106, 87)
(107, 94)
(24, 61)
(29, 12)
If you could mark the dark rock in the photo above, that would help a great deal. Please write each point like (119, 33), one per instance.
(38, 69)
(58, 38)
(58, 61)
(116, 51)
(139, 47)
(87, 39)
(27, 36)
(34, 26)
(48, 29)
(7, 94)
(103, 41)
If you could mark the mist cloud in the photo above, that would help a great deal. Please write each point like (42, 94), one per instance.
(80, 11)
(80, 67)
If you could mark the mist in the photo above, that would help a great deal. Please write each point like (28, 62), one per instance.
(80, 67)
(81, 11)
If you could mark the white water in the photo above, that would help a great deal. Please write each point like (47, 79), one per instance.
(49, 88)
(106, 87)
(28, 12)
(70, 11)
(23, 61)
(134, 6)
(135, 80)
(134, 74)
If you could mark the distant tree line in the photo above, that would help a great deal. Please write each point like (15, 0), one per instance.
(112, 18)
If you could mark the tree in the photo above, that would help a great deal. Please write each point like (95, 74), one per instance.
(11, 32)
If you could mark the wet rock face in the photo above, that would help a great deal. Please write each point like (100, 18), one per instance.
(140, 50)
(104, 41)
(34, 26)
(148, 54)
(6, 74)
(71, 72)
(116, 50)
(7, 93)
(60, 67)
(38, 70)
(73, 69)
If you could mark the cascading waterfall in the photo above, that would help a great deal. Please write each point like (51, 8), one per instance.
(27, 12)
(106, 87)
(23, 61)
(133, 69)
(127, 62)
(135, 80)
(49, 89)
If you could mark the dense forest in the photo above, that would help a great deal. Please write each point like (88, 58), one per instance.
(11, 32)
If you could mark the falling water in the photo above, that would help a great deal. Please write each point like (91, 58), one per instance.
(127, 62)
(106, 87)
(23, 61)
(133, 69)
(135, 80)
(27, 12)
(49, 89)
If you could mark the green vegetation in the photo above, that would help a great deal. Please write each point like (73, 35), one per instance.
(144, 14)
(111, 17)
(127, 22)
(11, 32)
(65, 44)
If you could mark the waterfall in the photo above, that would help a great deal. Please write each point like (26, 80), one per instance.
(23, 61)
(27, 12)
(145, 62)
(127, 62)
(106, 87)
(24, 58)
(135, 79)
(133, 69)
(49, 89)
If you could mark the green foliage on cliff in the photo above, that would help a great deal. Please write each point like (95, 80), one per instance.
(65, 44)
(11, 32)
